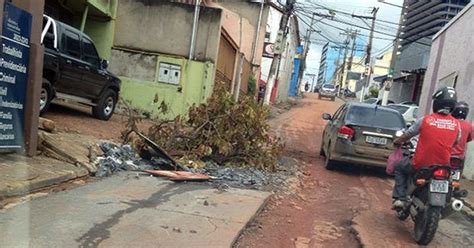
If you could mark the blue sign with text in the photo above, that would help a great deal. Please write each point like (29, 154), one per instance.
(14, 59)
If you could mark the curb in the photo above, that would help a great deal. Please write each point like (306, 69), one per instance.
(26, 187)
(251, 220)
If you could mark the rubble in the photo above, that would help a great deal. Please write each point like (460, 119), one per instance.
(124, 158)
(244, 177)
(46, 125)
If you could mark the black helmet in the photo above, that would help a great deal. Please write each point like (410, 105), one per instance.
(444, 100)
(461, 110)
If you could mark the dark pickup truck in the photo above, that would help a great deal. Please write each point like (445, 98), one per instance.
(73, 70)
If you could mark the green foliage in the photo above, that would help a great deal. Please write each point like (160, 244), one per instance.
(252, 86)
(222, 130)
(373, 92)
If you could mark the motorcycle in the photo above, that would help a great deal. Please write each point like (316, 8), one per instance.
(434, 193)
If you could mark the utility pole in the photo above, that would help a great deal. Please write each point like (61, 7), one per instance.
(305, 54)
(276, 59)
(351, 57)
(389, 82)
(343, 66)
(369, 51)
(306, 46)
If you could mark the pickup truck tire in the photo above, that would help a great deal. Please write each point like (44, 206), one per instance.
(45, 96)
(106, 105)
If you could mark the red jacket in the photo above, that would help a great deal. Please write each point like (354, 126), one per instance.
(466, 136)
(438, 134)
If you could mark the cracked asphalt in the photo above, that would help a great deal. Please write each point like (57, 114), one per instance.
(347, 207)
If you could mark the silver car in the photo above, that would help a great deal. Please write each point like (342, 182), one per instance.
(360, 133)
(329, 91)
(409, 112)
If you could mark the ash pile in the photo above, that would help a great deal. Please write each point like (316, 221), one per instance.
(248, 177)
(125, 158)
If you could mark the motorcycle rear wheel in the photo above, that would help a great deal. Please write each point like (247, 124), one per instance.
(426, 224)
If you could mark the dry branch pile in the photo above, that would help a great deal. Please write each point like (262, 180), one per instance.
(222, 130)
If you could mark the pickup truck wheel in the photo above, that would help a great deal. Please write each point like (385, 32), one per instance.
(45, 96)
(106, 105)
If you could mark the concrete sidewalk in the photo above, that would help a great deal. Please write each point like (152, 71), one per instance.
(127, 210)
(20, 175)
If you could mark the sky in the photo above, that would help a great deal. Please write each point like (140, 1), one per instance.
(387, 14)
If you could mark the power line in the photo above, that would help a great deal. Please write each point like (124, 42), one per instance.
(350, 14)
(380, 38)
(375, 37)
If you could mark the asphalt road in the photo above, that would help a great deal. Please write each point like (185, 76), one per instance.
(347, 207)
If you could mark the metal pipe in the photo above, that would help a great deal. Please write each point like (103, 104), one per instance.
(84, 16)
(195, 25)
(257, 36)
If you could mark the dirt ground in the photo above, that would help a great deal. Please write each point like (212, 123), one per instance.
(347, 207)
(77, 119)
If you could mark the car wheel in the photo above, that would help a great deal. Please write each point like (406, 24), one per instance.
(106, 105)
(45, 96)
(329, 164)
(321, 151)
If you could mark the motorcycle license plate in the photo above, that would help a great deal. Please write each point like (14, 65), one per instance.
(456, 175)
(439, 186)
(376, 140)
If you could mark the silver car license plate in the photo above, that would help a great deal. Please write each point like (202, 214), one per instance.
(376, 140)
(439, 186)
(456, 175)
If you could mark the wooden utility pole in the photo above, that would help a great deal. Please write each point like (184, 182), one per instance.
(277, 57)
(369, 51)
(389, 82)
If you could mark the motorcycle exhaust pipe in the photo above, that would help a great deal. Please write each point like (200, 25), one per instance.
(462, 193)
(457, 205)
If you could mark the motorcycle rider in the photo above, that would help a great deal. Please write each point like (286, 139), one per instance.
(438, 133)
(460, 112)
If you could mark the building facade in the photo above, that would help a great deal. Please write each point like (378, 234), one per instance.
(423, 19)
(451, 63)
(323, 65)
(152, 44)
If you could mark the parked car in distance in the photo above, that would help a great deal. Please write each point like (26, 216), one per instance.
(409, 112)
(377, 101)
(348, 93)
(360, 133)
(329, 91)
(73, 70)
